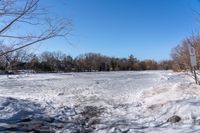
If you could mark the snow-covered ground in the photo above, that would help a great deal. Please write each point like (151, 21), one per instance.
(103, 102)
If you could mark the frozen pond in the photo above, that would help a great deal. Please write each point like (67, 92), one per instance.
(93, 102)
(72, 87)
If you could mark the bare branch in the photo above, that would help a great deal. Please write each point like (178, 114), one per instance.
(23, 13)
(26, 10)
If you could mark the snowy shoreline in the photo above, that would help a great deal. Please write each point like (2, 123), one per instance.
(101, 102)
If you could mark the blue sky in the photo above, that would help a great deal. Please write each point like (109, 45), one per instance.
(148, 29)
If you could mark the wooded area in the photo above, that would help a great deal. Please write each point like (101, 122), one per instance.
(59, 62)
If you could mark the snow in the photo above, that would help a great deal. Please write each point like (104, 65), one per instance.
(104, 101)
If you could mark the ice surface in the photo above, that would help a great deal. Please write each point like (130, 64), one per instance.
(103, 101)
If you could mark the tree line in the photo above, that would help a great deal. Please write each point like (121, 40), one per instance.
(89, 62)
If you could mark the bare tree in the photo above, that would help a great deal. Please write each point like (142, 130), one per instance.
(180, 54)
(25, 22)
